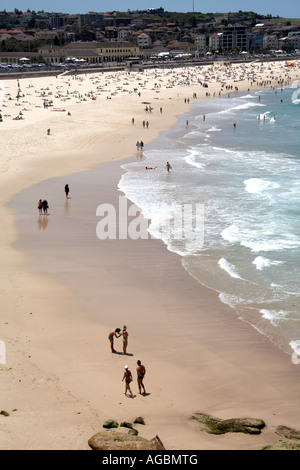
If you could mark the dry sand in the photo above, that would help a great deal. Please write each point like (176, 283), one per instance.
(59, 373)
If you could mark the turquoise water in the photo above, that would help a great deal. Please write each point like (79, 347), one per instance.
(246, 180)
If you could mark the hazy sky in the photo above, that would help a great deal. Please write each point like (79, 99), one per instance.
(289, 9)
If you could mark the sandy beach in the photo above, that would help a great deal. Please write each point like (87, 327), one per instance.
(60, 375)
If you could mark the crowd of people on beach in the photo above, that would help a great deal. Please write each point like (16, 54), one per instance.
(112, 84)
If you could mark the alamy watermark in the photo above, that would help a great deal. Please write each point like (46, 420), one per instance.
(296, 93)
(183, 222)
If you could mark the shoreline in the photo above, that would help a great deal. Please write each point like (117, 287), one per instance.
(56, 385)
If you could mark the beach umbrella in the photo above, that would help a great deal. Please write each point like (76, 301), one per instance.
(24, 59)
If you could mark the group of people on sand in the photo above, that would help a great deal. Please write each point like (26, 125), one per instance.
(140, 146)
(116, 334)
(141, 370)
(43, 205)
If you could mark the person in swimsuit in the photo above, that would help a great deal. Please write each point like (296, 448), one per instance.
(40, 206)
(112, 334)
(125, 339)
(141, 371)
(45, 206)
(67, 190)
(128, 378)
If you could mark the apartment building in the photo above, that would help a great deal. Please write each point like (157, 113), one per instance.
(144, 40)
(235, 37)
(200, 41)
(270, 41)
(215, 42)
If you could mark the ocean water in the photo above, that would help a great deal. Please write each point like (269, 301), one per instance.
(230, 206)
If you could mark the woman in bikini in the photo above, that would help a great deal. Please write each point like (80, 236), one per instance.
(125, 339)
(128, 378)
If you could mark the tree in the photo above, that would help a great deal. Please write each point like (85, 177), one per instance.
(31, 23)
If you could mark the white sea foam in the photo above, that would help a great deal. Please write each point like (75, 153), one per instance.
(229, 268)
(261, 262)
(242, 107)
(231, 300)
(295, 345)
(248, 96)
(214, 129)
(231, 233)
(247, 105)
(257, 185)
(274, 316)
(191, 160)
(270, 245)
(259, 241)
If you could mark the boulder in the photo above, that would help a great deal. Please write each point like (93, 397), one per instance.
(221, 426)
(111, 423)
(134, 432)
(139, 420)
(125, 424)
(114, 440)
(288, 444)
(288, 433)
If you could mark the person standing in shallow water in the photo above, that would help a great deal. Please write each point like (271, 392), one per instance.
(67, 190)
(40, 206)
(45, 206)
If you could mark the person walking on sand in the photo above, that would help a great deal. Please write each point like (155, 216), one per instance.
(141, 371)
(45, 206)
(40, 206)
(112, 334)
(128, 378)
(125, 339)
(67, 190)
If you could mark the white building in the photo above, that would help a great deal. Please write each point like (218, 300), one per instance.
(294, 37)
(144, 40)
(215, 42)
(200, 41)
(122, 35)
(270, 41)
